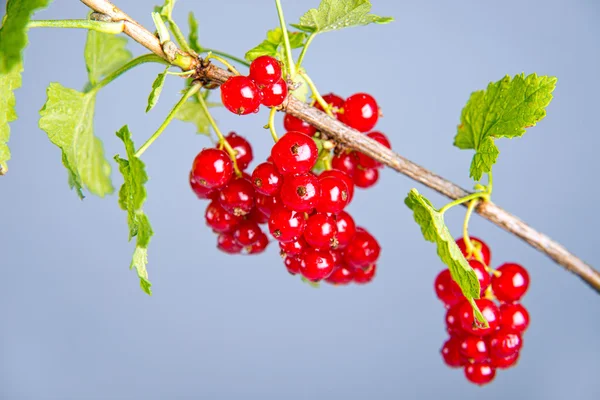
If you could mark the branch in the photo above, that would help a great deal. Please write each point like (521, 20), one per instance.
(357, 141)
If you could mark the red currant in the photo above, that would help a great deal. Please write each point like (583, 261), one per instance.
(504, 362)
(295, 153)
(367, 162)
(482, 275)
(238, 196)
(242, 148)
(335, 102)
(453, 325)
(219, 219)
(320, 231)
(265, 204)
(247, 233)
(240, 95)
(480, 373)
(300, 192)
(334, 194)
(260, 245)
(511, 283)
(316, 264)
(227, 244)
(482, 249)
(265, 70)
(363, 250)
(490, 312)
(292, 264)
(342, 176)
(274, 93)
(257, 216)
(341, 275)
(365, 275)
(446, 289)
(291, 123)
(294, 248)
(346, 228)
(451, 353)
(266, 179)
(474, 348)
(201, 191)
(514, 317)
(286, 225)
(504, 343)
(345, 162)
(360, 112)
(212, 168)
(365, 178)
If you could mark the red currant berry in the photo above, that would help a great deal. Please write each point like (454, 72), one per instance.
(294, 248)
(504, 362)
(514, 317)
(266, 179)
(257, 216)
(291, 123)
(504, 343)
(346, 228)
(247, 233)
(345, 162)
(482, 249)
(292, 264)
(446, 289)
(320, 231)
(341, 275)
(362, 250)
(238, 196)
(300, 192)
(259, 246)
(335, 102)
(342, 176)
(265, 70)
(295, 153)
(242, 148)
(201, 191)
(334, 194)
(212, 168)
(480, 373)
(482, 275)
(316, 264)
(474, 348)
(360, 112)
(240, 95)
(453, 325)
(219, 219)
(227, 244)
(274, 93)
(265, 204)
(471, 325)
(365, 275)
(365, 178)
(451, 353)
(367, 162)
(286, 225)
(511, 283)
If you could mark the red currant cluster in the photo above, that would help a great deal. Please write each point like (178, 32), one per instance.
(244, 94)
(480, 351)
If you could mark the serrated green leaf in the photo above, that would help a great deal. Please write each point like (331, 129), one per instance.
(338, 14)
(271, 45)
(132, 196)
(434, 229)
(505, 109)
(157, 87)
(67, 118)
(193, 35)
(192, 112)
(13, 33)
(8, 84)
(104, 53)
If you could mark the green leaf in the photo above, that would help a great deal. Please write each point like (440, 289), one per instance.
(104, 53)
(274, 40)
(435, 230)
(157, 87)
(8, 84)
(167, 9)
(13, 33)
(67, 118)
(338, 14)
(132, 196)
(192, 112)
(505, 109)
(302, 91)
(193, 35)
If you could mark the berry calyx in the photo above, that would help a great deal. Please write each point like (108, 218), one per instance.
(360, 112)
(238, 196)
(240, 95)
(480, 373)
(291, 123)
(294, 153)
(510, 283)
(266, 179)
(320, 232)
(316, 264)
(363, 250)
(212, 168)
(242, 148)
(201, 191)
(265, 70)
(342, 176)
(286, 225)
(300, 192)
(273, 94)
(482, 250)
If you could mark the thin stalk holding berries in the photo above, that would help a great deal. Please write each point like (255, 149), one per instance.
(226, 55)
(222, 61)
(271, 124)
(315, 93)
(98, 26)
(462, 200)
(286, 39)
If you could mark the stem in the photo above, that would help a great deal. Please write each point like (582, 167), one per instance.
(301, 57)
(146, 58)
(272, 124)
(223, 61)
(222, 141)
(190, 92)
(316, 93)
(468, 244)
(161, 28)
(99, 26)
(179, 36)
(226, 55)
(462, 200)
(490, 184)
(286, 39)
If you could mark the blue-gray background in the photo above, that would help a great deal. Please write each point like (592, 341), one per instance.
(75, 324)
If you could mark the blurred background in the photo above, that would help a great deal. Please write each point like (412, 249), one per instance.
(75, 324)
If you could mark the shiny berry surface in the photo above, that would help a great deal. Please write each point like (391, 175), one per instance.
(291, 123)
(316, 264)
(286, 225)
(265, 70)
(451, 353)
(212, 168)
(342, 176)
(240, 95)
(482, 275)
(446, 289)
(334, 194)
(346, 228)
(227, 244)
(267, 179)
(481, 248)
(346, 162)
(292, 264)
(480, 373)
(294, 248)
(320, 232)
(259, 246)
(265, 204)
(360, 112)
(242, 148)
(202, 192)
(362, 250)
(505, 343)
(511, 283)
(294, 153)
(274, 93)
(238, 196)
(219, 219)
(365, 178)
(474, 348)
(490, 312)
(247, 233)
(334, 101)
(341, 275)
(300, 192)
(365, 275)
(514, 317)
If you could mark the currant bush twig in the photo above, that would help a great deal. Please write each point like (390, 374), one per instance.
(272, 124)
(222, 61)
(189, 93)
(286, 39)
(303, 52)
(99, 26)
(462, 200)
(226, 55)
(316, 94)
(357, 141)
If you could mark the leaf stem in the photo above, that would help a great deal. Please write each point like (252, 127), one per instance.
(190, 92)
(161, 28)
(272, 124)
(286, 39)
(179, 36)
(146, 58)
(316, 94)
(223, 61)
(99, 26)
(226, 55)
(472, 196)
(490, 184)
(303, 52)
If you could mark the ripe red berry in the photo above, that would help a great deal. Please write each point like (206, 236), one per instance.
(335, 102)
(344, 177)
(219, 219)
(471, 325)
(362, 250)
(266, 179)
(316, 264)
(482, 249)
(247, 233)
(504, 343)
(334, 194)
(345, 162)
(291, 123)
(259, 246)
(504, 362)
(511, 284)
(365, 178)
(256, 215)
(292, 264)
(300, 192)
(320, 231)
(446, 289)
(265, 70)
(265, 204)
(360, 112)
(480, 373)
(212, 168)
(346, 228)
(240, 95)
(474, 348)
(293, 248)
(366, 161)
(341, 275)
(451, 353)
(227, 244)
(201, 191)
(238, 196)
(453, 325)
(365, 275)
(243, 149)
(482, 275)
(514, 317)
(286, 225)
(294, 153)
(273, 94)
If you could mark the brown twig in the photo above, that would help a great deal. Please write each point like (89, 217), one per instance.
(357, 141)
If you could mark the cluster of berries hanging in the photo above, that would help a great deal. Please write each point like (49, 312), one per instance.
(480, 351)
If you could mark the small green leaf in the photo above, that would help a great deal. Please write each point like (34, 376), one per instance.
(104, 53)
(157, 87)
(338, 14)
(192, 112)
(271, 44)
(67, 118)
(167, 9)
(505, 109)
(8, 84)
(302, 90)
(132, 196)
(193, 35)
(13, 33)
(434, 229)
